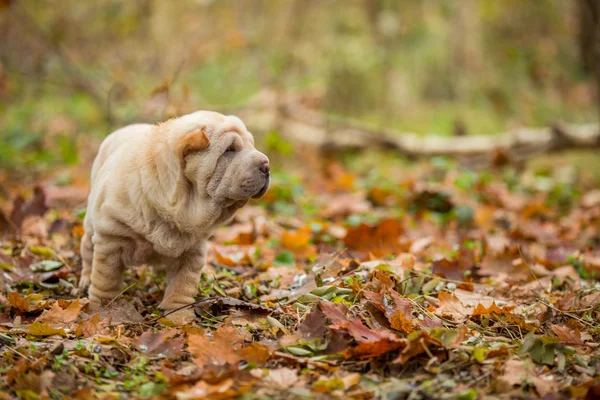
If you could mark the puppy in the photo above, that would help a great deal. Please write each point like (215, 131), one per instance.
(157, 194)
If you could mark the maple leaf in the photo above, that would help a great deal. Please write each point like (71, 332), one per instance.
(224, 347)
(336, 313)
(380, 240)
(90, 327)
(56, 315)
(451, 307)
(493, 308)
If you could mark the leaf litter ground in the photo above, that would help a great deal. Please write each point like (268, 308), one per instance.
(445, 283)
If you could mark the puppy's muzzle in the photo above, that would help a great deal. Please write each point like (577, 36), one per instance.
(264, 169)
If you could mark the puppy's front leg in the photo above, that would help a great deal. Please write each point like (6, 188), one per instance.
(182, 285)
(107, 272)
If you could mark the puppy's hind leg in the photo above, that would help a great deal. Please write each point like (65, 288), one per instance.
(107, 272)
(87, 254)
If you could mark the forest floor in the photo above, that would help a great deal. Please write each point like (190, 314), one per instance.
(434, 282)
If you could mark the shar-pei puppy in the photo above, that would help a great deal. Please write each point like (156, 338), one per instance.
(157, 194)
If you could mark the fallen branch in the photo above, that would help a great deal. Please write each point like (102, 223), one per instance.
(305, 125)
(333, 133)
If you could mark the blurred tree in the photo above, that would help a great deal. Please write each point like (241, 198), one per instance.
(589, 39)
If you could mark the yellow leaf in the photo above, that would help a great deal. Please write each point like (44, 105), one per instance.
(40, 329)
(42, 251)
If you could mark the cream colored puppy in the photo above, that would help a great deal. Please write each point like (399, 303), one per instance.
(158, 193)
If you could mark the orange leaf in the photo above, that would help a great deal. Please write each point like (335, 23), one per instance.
(17, 301)
(481, 310)
(380, 240)
(255, 353)
(295, 240)
(401, 323)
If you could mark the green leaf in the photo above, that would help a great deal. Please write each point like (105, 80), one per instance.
(542, 349)
(150, 389)
(470, 394)
(285, 258)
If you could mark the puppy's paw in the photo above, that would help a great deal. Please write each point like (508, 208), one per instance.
(182, 317)
(84, 283)
(95, 303)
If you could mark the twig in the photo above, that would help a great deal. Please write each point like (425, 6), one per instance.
(575, 317)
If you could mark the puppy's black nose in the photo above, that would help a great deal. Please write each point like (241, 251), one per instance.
(265, 168)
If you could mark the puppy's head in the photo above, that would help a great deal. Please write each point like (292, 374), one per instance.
(218, 157)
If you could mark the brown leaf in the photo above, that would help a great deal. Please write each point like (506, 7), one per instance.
(451, 307)
(399, 314)
(222, 348)
(448, 269)
(380, 240)
(336, 313)
(217, 390)
(567, 336)
(160, 343)
(313, 326)
(284, 377)
(36, 206)
(90, 327)
(121, 311)
(371, 342)
(416, 343)
(59, 316)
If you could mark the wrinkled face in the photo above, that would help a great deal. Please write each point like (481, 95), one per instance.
(230, 170)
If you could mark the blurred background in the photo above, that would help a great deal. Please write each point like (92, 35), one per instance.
(72, 71)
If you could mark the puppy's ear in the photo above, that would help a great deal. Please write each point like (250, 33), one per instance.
(196, 140)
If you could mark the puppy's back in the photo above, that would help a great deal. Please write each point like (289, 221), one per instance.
(118, 143)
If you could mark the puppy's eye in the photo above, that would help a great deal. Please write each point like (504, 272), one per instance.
(231, 149)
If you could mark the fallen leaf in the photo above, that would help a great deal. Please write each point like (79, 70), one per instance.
(40, 329)
(222, 348)
(567, 336)
(160, 343)
(283, 377)
(380, 239)
(17, 301)
(121, 311)
(450, 306)
(56, 315)
(46, 265)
